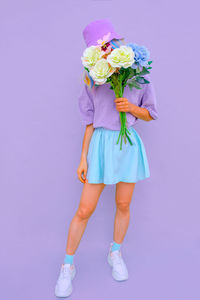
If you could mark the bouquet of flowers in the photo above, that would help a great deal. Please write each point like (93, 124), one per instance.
(118, 67)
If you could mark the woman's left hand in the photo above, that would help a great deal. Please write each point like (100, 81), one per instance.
(122, 104)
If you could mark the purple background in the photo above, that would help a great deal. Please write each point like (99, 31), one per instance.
(41, 135)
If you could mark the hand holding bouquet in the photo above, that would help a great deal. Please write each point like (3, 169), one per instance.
(118, 67)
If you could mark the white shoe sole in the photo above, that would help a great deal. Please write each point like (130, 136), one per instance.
(115, 275)
(68, 291)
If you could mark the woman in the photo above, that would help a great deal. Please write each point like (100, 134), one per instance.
(102, 162)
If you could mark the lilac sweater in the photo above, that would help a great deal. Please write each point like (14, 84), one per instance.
(97, 105)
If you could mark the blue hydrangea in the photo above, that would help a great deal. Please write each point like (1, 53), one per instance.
(142, 55)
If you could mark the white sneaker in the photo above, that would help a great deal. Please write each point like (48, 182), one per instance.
(64, 283)
(119, 269)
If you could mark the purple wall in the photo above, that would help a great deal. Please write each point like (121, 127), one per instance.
(40, 74)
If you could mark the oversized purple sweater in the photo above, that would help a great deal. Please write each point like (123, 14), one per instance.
(97, 105)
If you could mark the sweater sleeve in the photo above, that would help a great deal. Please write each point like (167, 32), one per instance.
(149, 100)
(86, 105)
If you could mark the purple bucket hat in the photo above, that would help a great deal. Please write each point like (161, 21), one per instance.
(97, 29)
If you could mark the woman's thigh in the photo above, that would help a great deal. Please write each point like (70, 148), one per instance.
(90, 196)
(124, 192)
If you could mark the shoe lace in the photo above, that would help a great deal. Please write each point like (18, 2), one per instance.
(117, 259)
(65, 273)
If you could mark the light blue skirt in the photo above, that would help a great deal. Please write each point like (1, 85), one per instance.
(108, 164)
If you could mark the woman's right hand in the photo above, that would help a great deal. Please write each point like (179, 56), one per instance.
(82, 168)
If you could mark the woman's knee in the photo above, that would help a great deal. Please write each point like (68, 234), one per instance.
(84, 212)
(123, 206)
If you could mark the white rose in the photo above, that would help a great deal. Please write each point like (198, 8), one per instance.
(91, 55)
(121, 57)
(101, 71)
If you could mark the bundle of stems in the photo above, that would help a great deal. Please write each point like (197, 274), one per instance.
(117, 86)
(118, 81)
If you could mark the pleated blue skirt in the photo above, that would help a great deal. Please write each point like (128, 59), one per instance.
(109, 165)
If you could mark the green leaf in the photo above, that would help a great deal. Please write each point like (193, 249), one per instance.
(141, 80)
(108, 80)
(132, 73)
(138, 70)
(86, 69)
(134, 84)
(149, 62)
(121, 70)
(144, 71)
(128, 73)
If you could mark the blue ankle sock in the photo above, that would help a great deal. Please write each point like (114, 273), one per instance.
(115, 246)
(68, 259)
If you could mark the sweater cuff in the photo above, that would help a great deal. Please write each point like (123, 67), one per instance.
(153, 114)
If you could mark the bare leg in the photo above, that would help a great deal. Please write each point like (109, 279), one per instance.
(123, 196)
(89, 199)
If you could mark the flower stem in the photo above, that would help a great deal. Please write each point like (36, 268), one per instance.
(116, 83)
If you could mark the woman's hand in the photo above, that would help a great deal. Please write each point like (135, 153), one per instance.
(122, 104)
(82, 168)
